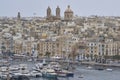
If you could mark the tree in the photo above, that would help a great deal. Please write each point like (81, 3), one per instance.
(87, 55)
(116, 57)
(91, 56)
(96, 57)
(3, 48)
(47, 54)
(40, 54)
(83, 56)
(106, 57)
(74, 53)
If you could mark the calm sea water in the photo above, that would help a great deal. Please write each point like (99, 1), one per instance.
(86, 73)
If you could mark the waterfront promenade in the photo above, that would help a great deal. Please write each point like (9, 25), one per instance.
(62, 61)
(100, 64)
(92, 63)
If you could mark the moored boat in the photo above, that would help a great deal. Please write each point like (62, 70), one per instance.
(64, 73)
(109, 69)
(89, 67)
(81, 76)
(49, 73)
(14, 68)
(35, 74)
(61, 74)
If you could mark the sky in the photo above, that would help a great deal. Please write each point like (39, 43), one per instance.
(31, 8)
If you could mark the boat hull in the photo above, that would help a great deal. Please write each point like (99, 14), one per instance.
(49, 75)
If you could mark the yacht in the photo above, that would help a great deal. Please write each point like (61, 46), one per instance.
(49, 73)
(35, 74)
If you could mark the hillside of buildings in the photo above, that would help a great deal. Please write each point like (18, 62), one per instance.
(71, 36)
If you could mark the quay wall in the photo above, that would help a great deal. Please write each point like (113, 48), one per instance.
(100, 64)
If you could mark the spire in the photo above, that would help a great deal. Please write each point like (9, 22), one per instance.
(48, 11)
(58, 12)
(18, 16)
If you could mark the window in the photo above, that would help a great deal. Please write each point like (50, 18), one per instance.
(91, 51)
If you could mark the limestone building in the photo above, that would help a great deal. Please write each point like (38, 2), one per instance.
(48, 12)
(51, 17)
(68, 14)
(54, 47)
(58, 13)
(18, 16)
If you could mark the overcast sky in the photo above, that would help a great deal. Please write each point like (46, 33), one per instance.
(80, 7)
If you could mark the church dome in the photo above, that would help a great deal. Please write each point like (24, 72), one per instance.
(68, 9)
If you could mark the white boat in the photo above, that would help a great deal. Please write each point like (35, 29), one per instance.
(29, 60)
(68, 73)
(61, 73)
(54, 65)
(23, 70)
(64, 73)
(49, 73)
(44, 62)
(57, 57)
(39, 65)
(35, 73)
(4, 71)
(89, 67)
(81, 76)
(109, 69)
(48, 70)
(14, 68)
(4, 63)
(22, 74)
(4, 76)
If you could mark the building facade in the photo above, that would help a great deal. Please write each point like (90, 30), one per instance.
(51, 17)
(68, 14)
(53, 47)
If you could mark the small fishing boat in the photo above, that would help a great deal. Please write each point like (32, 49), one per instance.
(64, 73)
(69, 73)
(109, 69)
(89, 67)
(81, 76)
(60, 73)
(14, 68)
(35, 74)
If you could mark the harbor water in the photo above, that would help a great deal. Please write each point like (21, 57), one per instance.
(81, 73)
